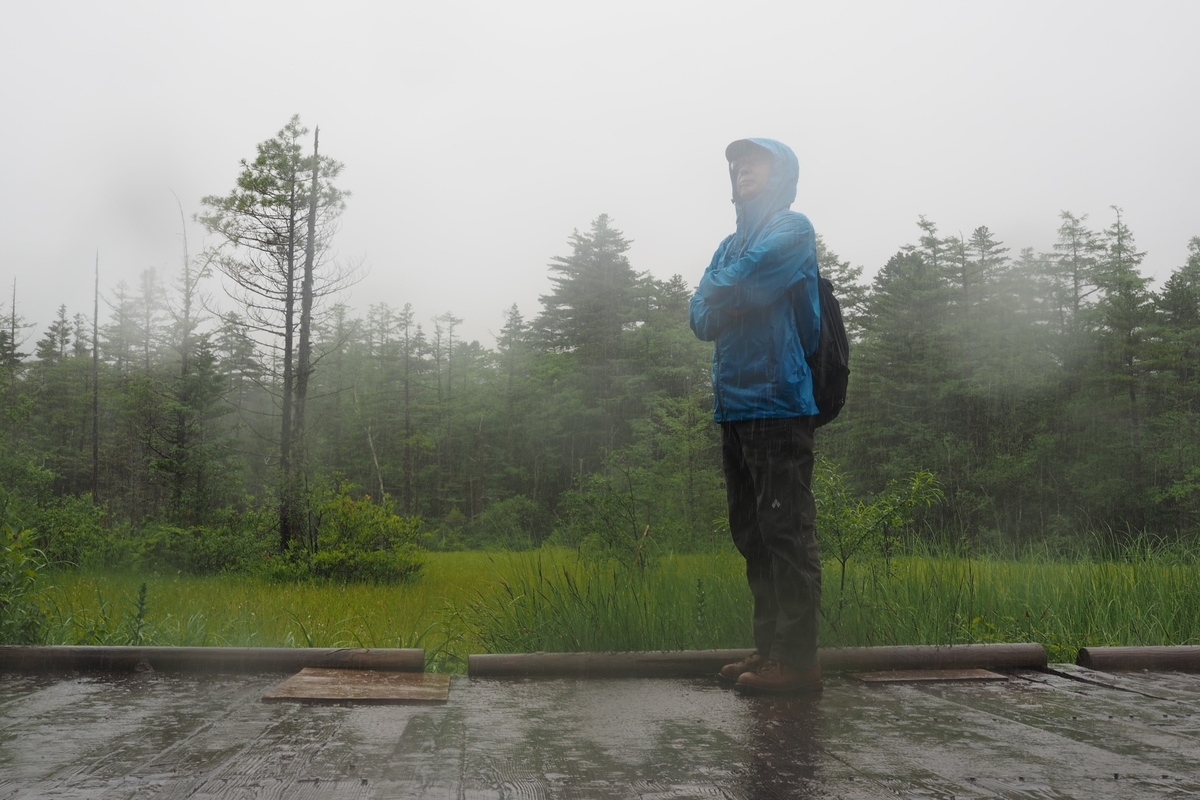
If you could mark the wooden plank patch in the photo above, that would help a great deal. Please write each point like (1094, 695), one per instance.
(321, 685)
(929, 675)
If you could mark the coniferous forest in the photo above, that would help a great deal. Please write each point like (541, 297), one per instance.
(1053, 398)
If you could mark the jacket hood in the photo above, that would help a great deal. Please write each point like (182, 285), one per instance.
(780, 192)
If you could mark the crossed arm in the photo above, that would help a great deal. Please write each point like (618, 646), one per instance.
(774, 267)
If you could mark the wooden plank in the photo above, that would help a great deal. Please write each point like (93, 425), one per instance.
(1037, 735)
(928, 675)
(1183, 658)
(1020, 655)
(319, 685)
(1002, 740)
(1080, 715)
(695, 663)
(667, 664)
(1105, 679)
(206, 659)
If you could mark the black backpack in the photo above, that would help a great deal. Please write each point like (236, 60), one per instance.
(830, 362)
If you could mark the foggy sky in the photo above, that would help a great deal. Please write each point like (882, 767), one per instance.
(476, 136)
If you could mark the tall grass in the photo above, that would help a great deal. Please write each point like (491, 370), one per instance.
(561, 604)
(1063, 605)
(553, 601)
(550, 600)
(233, 610)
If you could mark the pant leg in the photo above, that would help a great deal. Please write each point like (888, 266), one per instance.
(777, 455)
(742, 503)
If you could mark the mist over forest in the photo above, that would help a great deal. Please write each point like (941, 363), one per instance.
(1053, 396)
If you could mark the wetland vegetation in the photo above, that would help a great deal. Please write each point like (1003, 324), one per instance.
(1019, 457)
(552, 600)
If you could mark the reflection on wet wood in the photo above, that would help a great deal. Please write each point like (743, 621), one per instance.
(84, 658)
(1021, 655)
(666, 664)
(1039, 734)
(317, 685)
(694, 663)
(928, 675)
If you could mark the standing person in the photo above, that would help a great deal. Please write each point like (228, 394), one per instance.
(758, 303)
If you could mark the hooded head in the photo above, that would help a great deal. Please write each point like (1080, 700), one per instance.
(780, 191)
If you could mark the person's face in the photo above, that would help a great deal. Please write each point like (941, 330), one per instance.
(751, 173)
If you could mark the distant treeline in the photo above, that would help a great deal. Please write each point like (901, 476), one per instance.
(1051, 394)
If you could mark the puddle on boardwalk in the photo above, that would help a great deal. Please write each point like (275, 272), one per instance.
(1033, 736)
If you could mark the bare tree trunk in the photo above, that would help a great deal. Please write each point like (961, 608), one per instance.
(186, 323)
(408, 458)
(12, 373)
(298, 394)
(189, 288)
(370, 443)
(304, 351)
(288, 495)
(96, 384)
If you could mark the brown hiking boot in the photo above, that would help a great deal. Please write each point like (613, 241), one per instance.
(775, 678)
(731, 672)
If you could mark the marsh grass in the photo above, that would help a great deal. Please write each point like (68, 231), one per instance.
(550, 600)
(555, 602)
(1064, 606)
(233, 610)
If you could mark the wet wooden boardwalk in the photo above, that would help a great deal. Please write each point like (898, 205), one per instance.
(1066, 734)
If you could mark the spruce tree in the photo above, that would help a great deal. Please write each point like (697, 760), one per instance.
(55, 343)
(592, 302)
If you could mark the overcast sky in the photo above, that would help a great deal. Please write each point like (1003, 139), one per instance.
(476, 136)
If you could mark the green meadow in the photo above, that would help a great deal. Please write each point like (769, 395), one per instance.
(551, 600)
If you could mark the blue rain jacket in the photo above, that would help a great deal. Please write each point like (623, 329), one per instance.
(758, 301)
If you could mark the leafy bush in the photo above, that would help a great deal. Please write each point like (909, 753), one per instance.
(366, 566)
(447, 534)
(602, 523)
(357, 541)
(239, 544)
(70, 531)
(516, 523)
(23, 474)
(20, 561)
(850, 527)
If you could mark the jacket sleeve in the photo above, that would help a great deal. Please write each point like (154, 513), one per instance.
(772, 268)
(707, 323)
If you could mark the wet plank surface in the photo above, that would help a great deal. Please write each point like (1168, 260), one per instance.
(320, 685)
(928, 675)
(1065, 734)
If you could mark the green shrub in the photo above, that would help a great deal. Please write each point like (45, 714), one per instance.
(366, 566)
(357, 541)
(448, 534)
(70, 531)
(20, 562)
(239, 545)
(516, 523)
(363, 525)
(602, 524)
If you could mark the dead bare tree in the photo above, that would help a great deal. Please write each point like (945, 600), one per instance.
(285, 204)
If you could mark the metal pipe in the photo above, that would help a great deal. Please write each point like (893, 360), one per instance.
(689, 663)
(1183, 658)
(17, 658)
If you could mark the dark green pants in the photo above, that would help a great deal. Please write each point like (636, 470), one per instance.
(768, 484)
